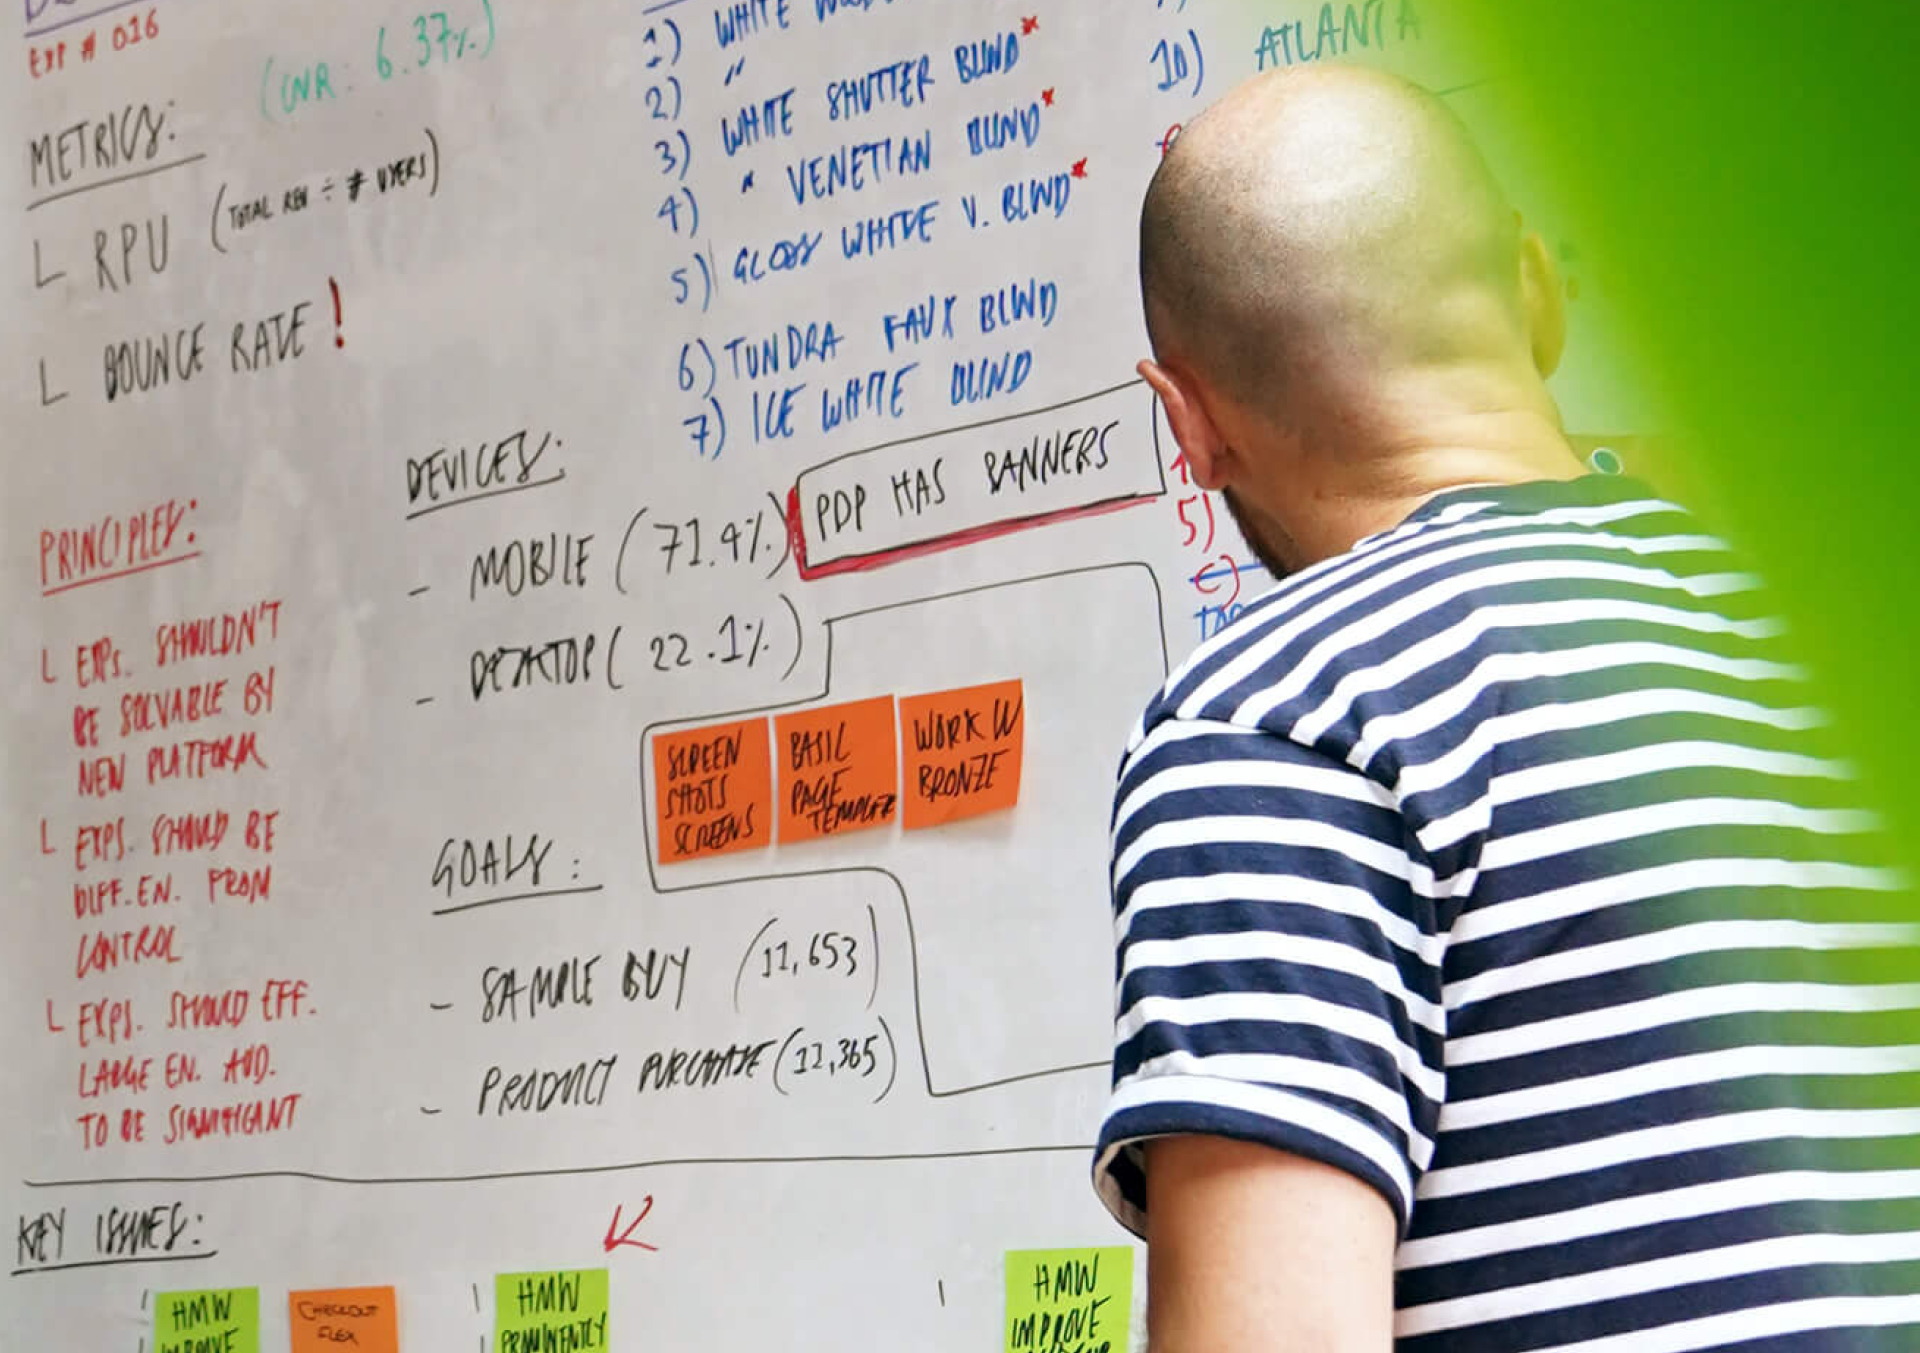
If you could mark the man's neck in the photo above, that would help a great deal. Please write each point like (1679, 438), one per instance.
(1345, 498)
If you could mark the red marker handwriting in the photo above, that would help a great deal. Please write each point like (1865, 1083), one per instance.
(611, 1241)
(1224, 567)
(1028, 23)
(334, 287)
(1046, 96)
(1193, 532)
(1080, 169)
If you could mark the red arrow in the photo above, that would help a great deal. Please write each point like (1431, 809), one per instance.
(610, 1242)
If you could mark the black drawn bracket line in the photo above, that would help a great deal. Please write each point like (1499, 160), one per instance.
(906, 909)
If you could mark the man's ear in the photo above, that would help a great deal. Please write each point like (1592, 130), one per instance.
(1209, 459)
(1545, 305)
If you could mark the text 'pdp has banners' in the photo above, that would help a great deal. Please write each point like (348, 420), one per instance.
(840, 770)
(907, 498)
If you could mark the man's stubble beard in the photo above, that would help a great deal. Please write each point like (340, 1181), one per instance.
(1263, 548)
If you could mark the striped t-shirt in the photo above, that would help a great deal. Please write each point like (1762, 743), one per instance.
(1503, 862)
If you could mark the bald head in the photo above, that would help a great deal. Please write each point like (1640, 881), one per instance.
(1320, 230)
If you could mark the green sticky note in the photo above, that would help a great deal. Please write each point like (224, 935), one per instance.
(1069, 1299)
(216, 1320)
(556, 1308)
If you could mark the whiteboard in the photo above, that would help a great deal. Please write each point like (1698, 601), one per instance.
(577, 575)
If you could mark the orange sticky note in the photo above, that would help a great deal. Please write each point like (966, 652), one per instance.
(962, 752)
(713, 790)
(357, 1317)
(839, 769)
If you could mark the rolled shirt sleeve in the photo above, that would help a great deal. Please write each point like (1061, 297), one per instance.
(1278, 962)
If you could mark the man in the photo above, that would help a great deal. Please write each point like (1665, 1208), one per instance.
(1503, 962)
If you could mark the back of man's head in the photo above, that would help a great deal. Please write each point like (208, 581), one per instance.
(1322, 232)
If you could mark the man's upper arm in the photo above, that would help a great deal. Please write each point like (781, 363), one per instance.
(1278, 987)
(1261, 1251)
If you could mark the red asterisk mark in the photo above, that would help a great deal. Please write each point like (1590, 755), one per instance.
(1080, 168)
(1028, 23)
(1046, 96)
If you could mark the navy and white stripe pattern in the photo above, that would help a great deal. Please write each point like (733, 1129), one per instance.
(1504, 862)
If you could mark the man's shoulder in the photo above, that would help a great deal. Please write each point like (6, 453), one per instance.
(1432, 591)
